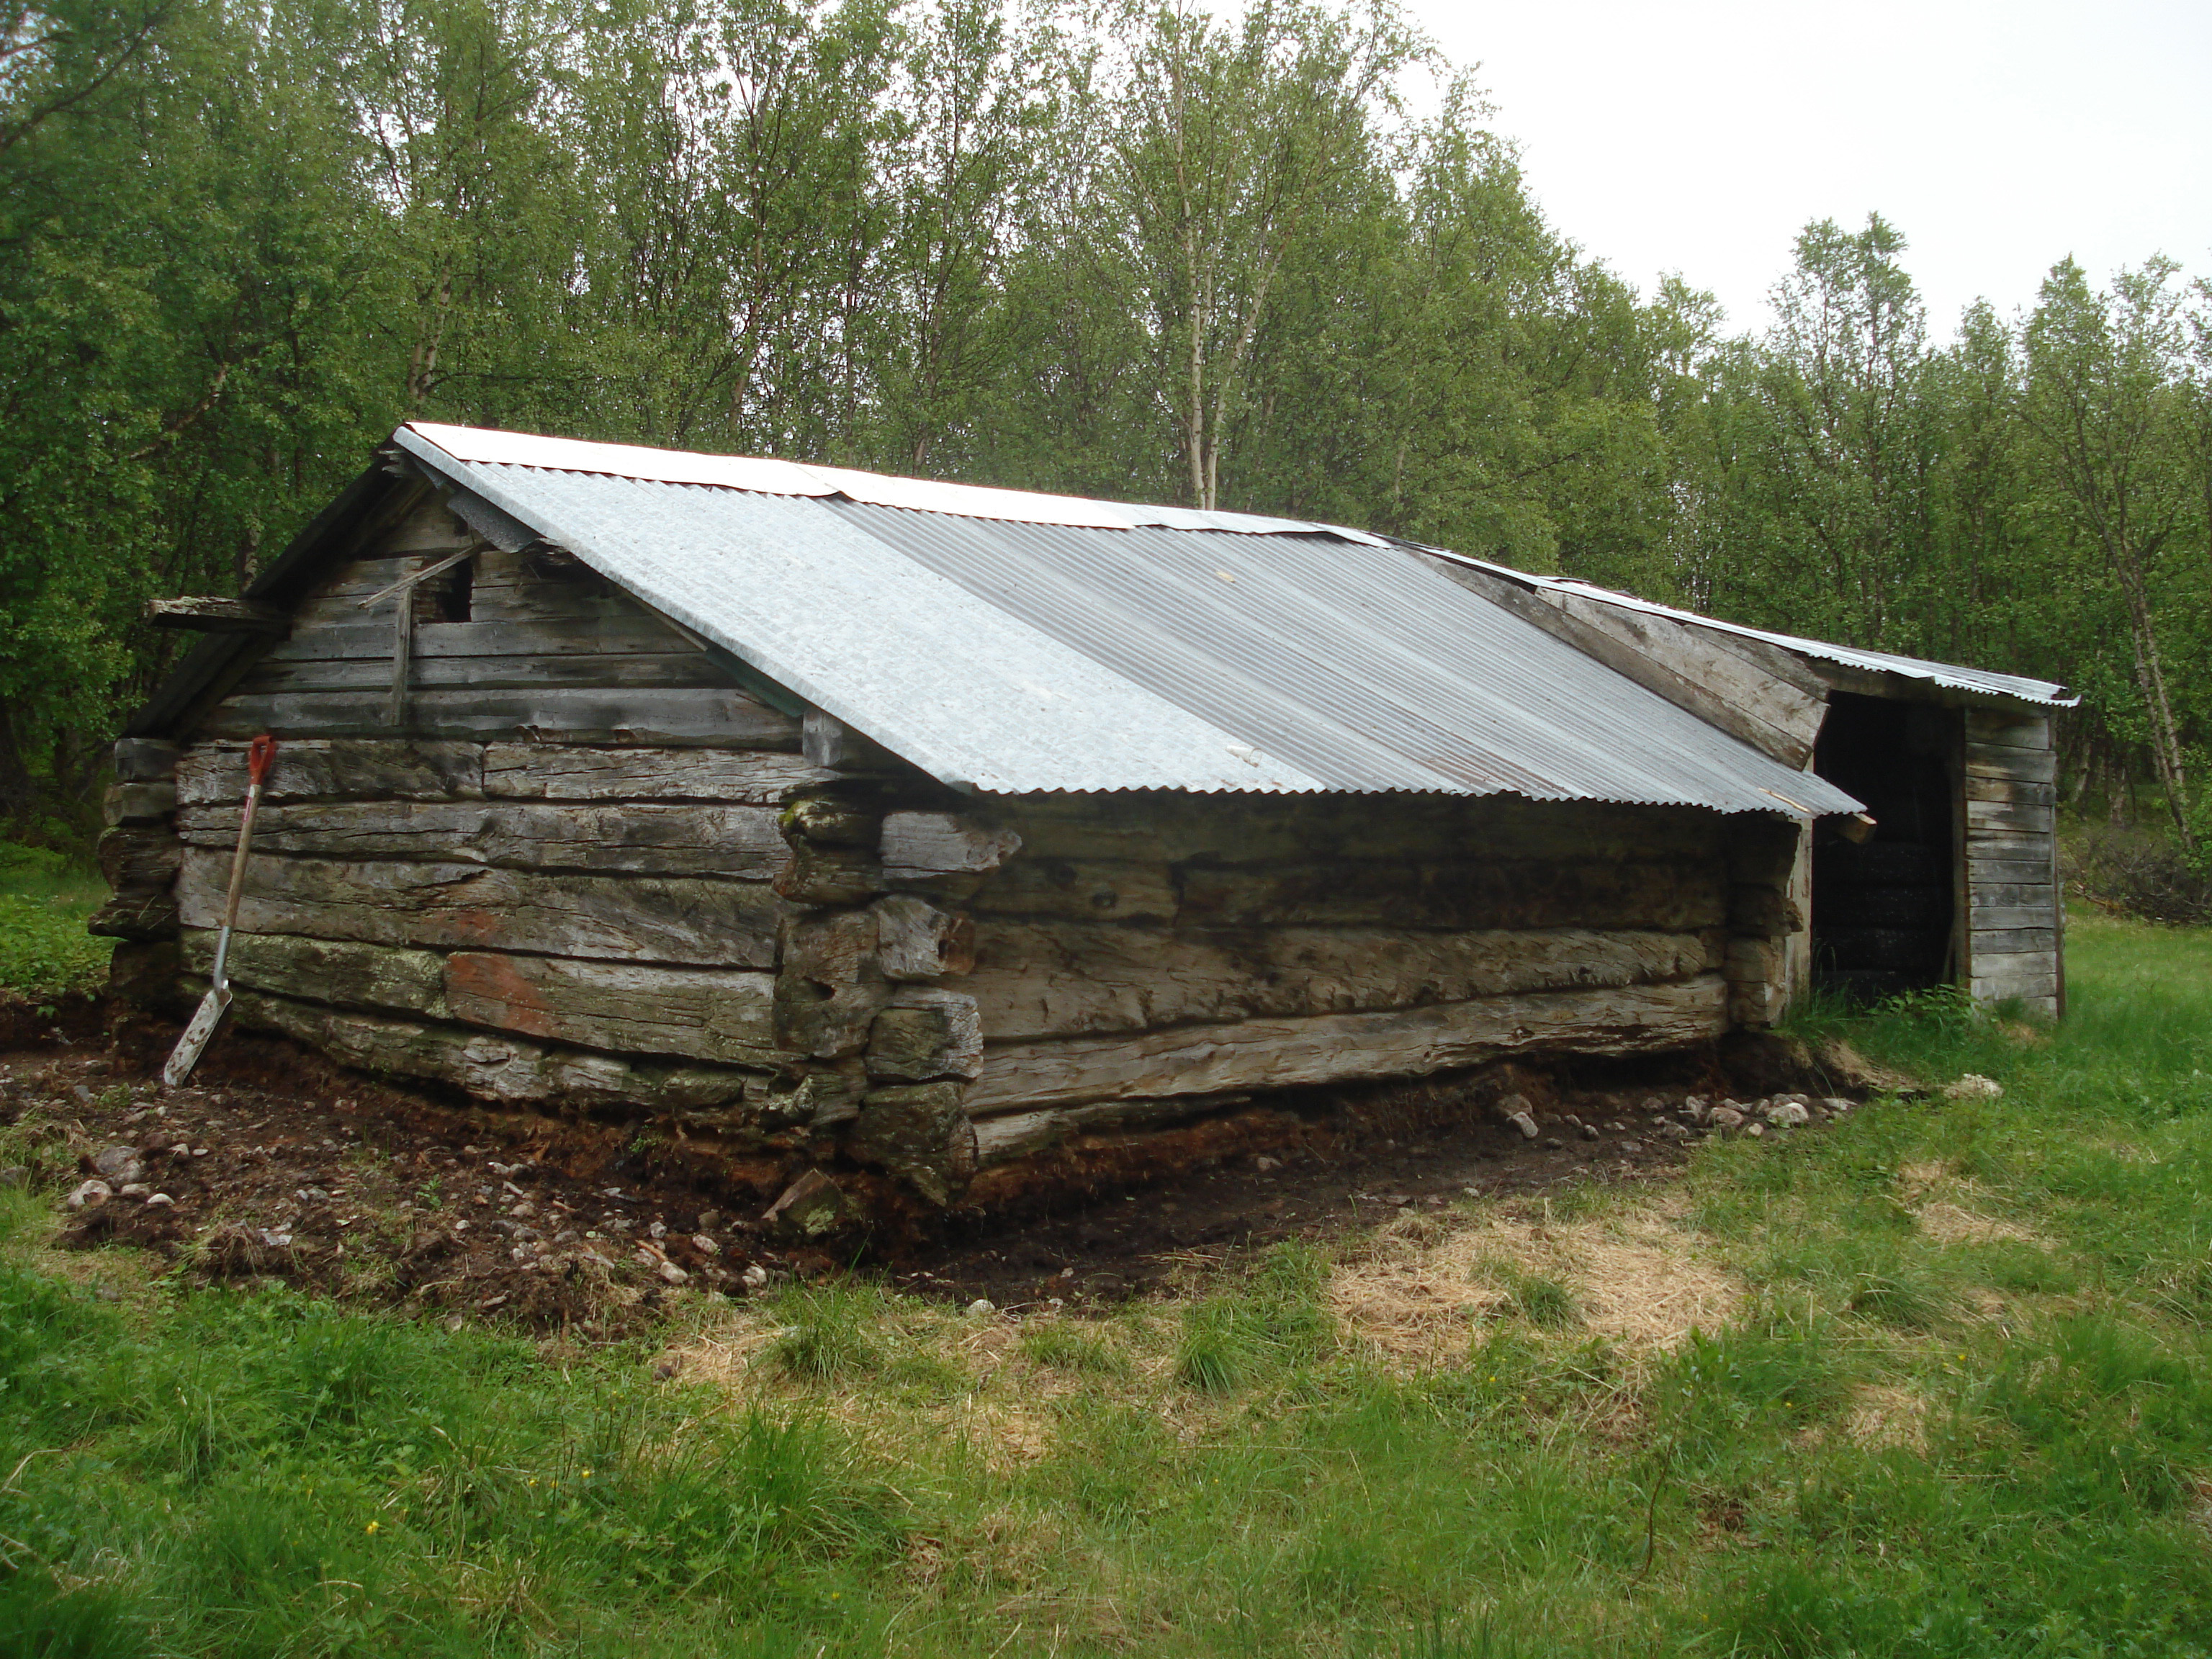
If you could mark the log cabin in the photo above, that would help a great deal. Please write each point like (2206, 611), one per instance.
(915, 827)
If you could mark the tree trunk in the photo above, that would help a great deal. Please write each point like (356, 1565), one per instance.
(2150, 677)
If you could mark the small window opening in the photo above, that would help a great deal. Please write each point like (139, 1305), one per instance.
(445, 598)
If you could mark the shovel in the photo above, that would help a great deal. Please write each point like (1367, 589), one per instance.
(216, 1002)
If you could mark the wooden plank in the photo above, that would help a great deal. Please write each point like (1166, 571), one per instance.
(2016, 791)
(722, 719)
(2005, 818)
(2000, 987)
(214, 615)
(1765, 700)
(1278, 1053)
(1672, 897)
(1065, 979)
(691, 840)
(509, 1070)
(534, 771)
(2003, 728)
(1999, 963)
(319, 768)
(1994, 761)
(688, 922)
(628, 633)
(1999, 940)
(1771, 702)
(1986, 918)
(625, 670)
(2031, 871)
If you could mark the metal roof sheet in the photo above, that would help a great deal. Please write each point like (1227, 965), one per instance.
(1953, 675)
(1021, 656)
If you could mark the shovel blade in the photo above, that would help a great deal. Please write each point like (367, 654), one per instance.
(186, 1054)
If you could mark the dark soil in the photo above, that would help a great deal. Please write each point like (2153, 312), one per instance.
(277, 1166)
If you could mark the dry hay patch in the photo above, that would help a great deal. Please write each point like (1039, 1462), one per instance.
(1880, 1417)
(1004, 1409)
(1930, 1191)
(1638, 1278)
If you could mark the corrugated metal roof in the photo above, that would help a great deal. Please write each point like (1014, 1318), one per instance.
(1953, 675)
(1021, 656)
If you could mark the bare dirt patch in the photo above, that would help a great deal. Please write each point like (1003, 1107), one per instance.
(277, 1166)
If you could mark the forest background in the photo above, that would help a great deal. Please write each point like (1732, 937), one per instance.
(1275, 261)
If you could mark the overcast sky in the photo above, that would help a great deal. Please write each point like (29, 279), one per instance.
(1700, 136)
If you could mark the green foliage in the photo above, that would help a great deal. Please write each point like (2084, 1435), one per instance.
(45, 901)
(1910, 1440)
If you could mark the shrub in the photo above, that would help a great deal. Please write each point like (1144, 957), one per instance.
(2141, 873)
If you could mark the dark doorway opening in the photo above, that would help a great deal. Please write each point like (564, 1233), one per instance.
(1882, 908)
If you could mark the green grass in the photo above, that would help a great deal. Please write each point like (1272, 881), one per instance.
(45, 901)
(1964, 1408)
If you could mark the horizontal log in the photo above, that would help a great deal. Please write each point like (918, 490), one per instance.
(690, 840)
(1019, 1134)
(140, 858)
(1981, 893)
(719, 718)
(533, 771)
(720, 1016)
(1330, 1048)
(717, 1015)
(367, 637)
(2006, 729)
(2011, 846)
(920, 846)
(145, 760)
(1218, 830)
(508, 1070)
(1994, 761)
(376, 769)
(690, 921)
(1067, 979)
(1056, 887)
(211, 615)
(666, 669)
(2024, 940)
(341, 972)
(1672, 897)
(141, 803)
(2006, 817)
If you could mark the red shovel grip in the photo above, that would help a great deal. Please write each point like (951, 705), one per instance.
(258, 758)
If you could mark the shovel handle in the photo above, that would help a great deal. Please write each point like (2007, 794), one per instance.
(259, 758)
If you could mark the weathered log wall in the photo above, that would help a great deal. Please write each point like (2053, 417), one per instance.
(2014, 914)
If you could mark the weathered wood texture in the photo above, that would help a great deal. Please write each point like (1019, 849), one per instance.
(1325, 1048)
(724, 1016)
(2014, 909)
(511, 1070)
(652, 839)
(547, 647)
(683, 921)
(215, 615)
(1747, 688)
(1066, 978)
